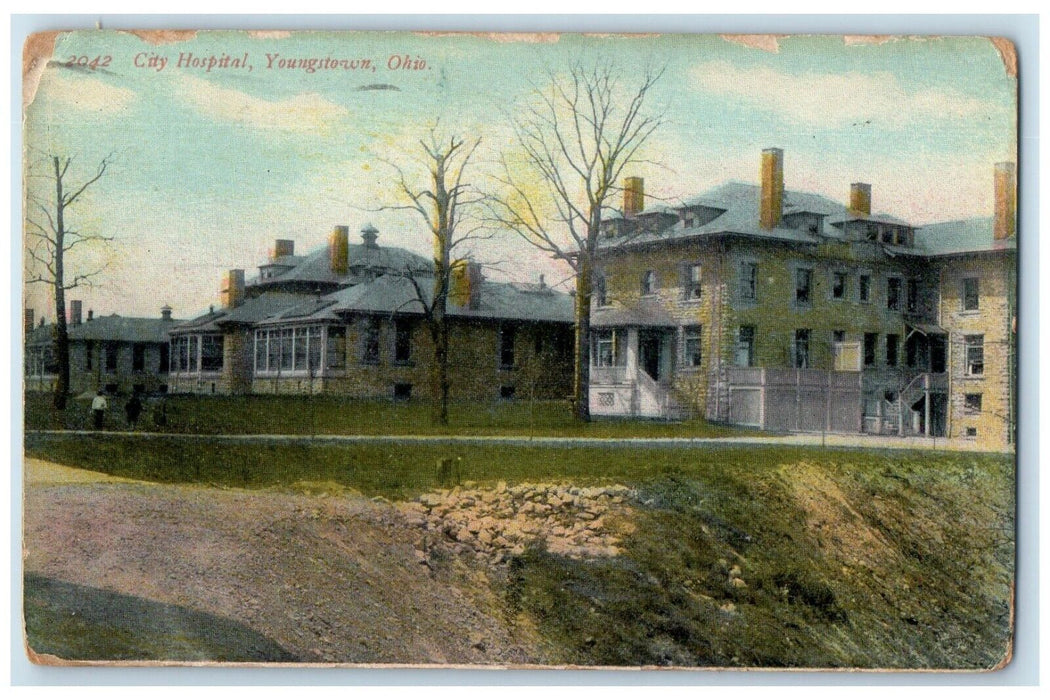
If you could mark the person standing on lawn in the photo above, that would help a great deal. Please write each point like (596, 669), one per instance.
(132, 409)
(98, 408)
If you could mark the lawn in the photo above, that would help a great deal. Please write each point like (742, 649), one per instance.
(334, 415)
(844, 558)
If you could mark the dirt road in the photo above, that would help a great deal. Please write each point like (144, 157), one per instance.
(327, 578)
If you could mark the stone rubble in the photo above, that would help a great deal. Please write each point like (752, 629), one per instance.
(495, 524)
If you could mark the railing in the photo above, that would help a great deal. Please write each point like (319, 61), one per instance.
(608, 375)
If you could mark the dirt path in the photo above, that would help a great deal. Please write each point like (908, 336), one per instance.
(328, 578)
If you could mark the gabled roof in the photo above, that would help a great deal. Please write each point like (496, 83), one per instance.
(964, 236)
(123, 329)
(250, 311)
(390, 294)
(364, 263)
(645, 313)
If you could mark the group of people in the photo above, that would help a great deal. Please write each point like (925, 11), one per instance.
(100, 404)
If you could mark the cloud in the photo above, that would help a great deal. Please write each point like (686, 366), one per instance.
(88, 94)
(838, 99)
(306, 112)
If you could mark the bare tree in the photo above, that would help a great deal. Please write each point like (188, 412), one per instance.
(444, 204)
(49, 241)
(574, 139)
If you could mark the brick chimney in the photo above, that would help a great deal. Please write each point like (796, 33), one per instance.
(1005, 201)
(466, 284)
(860, 198)
(771, 207)
(91, 314)
(339, 250)
(281, 248)
(633, 195)
(369, 234)
(28, 321)
(232, 292)
(165, 313)
(76, 312)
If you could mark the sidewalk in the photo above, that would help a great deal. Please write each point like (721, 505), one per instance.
(836, 441)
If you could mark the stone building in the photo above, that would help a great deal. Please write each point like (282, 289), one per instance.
(348, 319)
(786, 310)
(116, 354)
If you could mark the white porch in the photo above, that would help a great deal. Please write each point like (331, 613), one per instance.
(631, 373)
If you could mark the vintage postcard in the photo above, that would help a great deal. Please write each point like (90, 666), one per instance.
(520, 350)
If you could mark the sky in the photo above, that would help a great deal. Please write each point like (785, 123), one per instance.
(212, 161)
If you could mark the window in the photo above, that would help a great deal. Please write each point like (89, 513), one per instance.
(971, 294)
(838, 285)
(507, 334)
(745, 347)
(691, 346)
(864, 288)
(402, 392)
(286, 340)
(648, 282)
(887, 234)
(335, 349)
(870, 341)
(193, 352)
(402, 341)
(279, 350)
(803, 285)
(893, 293)
(974, 354)
(971, 432)
(748, 280)
(138, 357)
(162, 365)
(801, 349)
(506, 392)
(913, 296)
(838, 336)
(972, 403)
(370, 341)
(607, 349)
(892, 349)
(89, 355)
(211, 353)
(111, 357)
(600, 293)
(692, 276)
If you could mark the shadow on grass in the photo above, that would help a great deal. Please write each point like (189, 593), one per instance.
(79, 623)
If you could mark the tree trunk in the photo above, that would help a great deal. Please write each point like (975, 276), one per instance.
(439, 334)
(61, 332)
(581, 373)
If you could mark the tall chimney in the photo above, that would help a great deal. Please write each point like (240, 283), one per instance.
(281, 248)
(465, 284)
(772, 205)
(165, 313)
(368, 235)
(28, 321)
(91, 314)
(339, 250)
(76, 312)
(633, 195)
(232, 292)
(1005, 201)
(860, 198)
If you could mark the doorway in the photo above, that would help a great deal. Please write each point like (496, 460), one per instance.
(649, 343)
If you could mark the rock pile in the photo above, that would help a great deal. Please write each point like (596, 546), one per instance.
(493, 524)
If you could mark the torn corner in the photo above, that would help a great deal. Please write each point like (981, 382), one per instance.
(36, 52)
(764, 42)
(1007, 52)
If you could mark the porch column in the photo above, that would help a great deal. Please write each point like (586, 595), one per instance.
(632, 354)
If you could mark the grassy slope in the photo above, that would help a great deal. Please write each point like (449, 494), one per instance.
(326, 415)
(850, 558)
